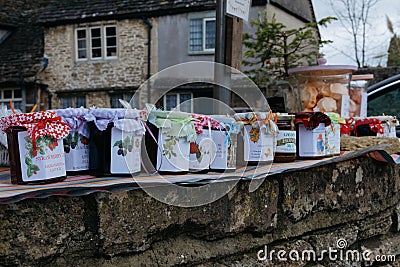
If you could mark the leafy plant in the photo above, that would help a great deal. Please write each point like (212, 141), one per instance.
(274, 48)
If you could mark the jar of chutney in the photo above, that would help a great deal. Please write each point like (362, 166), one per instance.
(286, 139)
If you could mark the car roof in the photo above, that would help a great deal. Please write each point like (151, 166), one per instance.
(382, 86)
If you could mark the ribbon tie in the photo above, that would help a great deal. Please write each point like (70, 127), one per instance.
(38, 124)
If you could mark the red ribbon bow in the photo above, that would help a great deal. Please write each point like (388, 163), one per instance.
(38, 124)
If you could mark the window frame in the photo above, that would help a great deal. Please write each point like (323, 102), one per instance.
(89, 43)
(77, 46)
(73, 100)
(6, 101)
(105, 42)
(178, 99)
(208, 16)
(205, 35)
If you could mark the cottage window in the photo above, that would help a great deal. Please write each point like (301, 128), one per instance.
(178, 101)
(202, 35)
(96, 43)
(114, 99)
(73, 101)
(14, 95)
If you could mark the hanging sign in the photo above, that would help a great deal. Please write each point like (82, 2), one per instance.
(238, 8)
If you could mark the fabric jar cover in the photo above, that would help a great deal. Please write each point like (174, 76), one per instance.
(174, 123)
(311, 120)
(38, 124)
(127, 120)
(259, 137)
(229, 124)
(204, 121)
(75, 117)
(261, 120)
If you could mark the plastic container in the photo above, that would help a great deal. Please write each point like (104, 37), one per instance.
(115, 141)
(310, 133)
(35, 147)
(286, 139)
(324, 88)
(76, 143)
(258, 142)
(225, 140)
(359, 95)
(168, 137)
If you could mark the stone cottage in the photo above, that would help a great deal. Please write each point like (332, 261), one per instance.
(92, 53)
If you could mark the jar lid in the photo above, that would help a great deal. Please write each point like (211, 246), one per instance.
(285, 116)
(323, 69)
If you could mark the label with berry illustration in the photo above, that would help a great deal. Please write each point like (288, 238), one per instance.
(202, 152)
(173, 153)
(125, 152)
(43, 161)
(258, 145)
(76, 148)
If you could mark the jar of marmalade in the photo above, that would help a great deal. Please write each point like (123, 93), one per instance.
(286, 139)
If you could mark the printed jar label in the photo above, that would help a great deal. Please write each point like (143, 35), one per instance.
(44, 162)
(125, 152)
(332, 145)
(76, 148)
(174, 154)
(220, 160)
(258, 146)
(286, 142)
(311, 142)
(202, 152)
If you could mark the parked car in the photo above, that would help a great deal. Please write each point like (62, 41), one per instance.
(384, 98)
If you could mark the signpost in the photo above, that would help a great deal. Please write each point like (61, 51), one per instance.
(239, 8)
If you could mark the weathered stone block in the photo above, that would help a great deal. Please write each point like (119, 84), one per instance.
(132, 221)
(32, 231)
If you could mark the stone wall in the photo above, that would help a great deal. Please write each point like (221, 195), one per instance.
(357, 200)
(65, 73)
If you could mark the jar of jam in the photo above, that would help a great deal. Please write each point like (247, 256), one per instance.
(286, 139)
(257, 145)
(35, 147)
(115, 141)
(310, 134)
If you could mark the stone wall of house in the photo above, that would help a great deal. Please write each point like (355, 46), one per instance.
(65, 73)
(357, 201)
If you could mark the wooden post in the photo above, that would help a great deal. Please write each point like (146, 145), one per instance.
(234, 32)
(228, 50)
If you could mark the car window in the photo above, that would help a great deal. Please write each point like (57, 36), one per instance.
(387, 103)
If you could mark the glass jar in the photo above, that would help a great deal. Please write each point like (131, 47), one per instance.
(286, 139)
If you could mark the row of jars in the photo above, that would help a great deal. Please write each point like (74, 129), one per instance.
(45, 146)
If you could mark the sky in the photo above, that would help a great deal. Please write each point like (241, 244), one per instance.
(378, 36)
